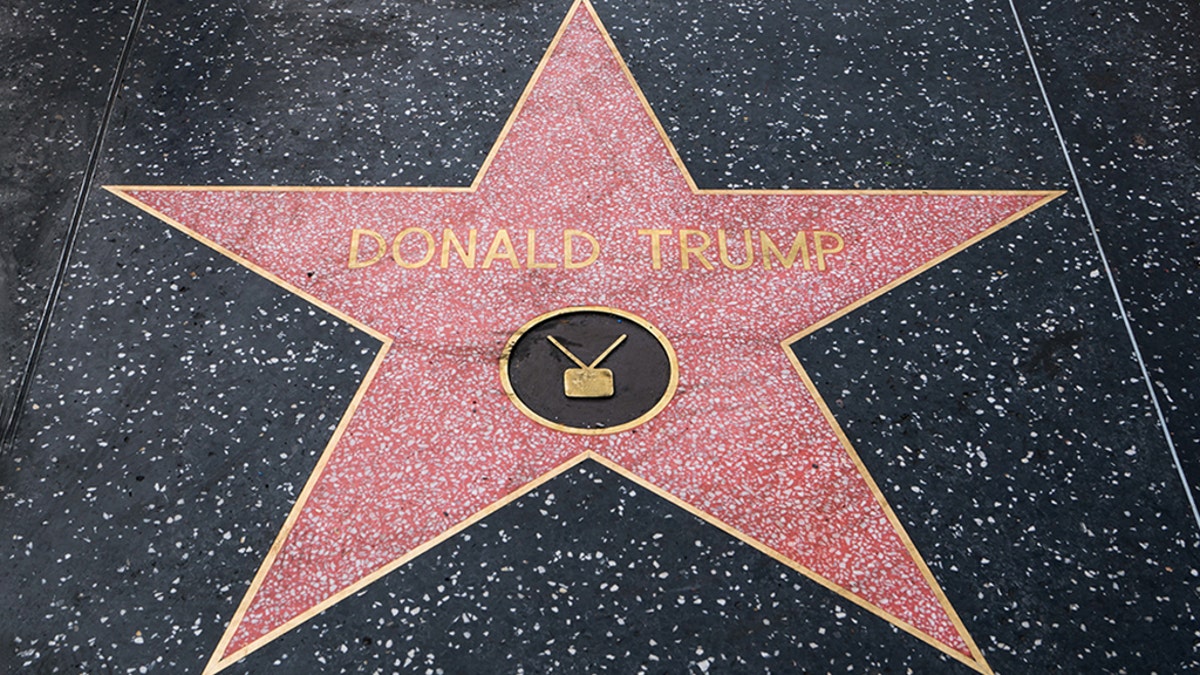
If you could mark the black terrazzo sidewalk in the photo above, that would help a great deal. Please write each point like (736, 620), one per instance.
(179, 402)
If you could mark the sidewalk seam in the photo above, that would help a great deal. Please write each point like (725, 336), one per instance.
(72, 233)
(1112, 281)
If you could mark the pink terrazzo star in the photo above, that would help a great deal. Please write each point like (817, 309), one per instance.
(432, 442)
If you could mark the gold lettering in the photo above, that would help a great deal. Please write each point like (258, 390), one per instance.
(686, 251)
(429, 248)
(769, 250)
(531, 255)
(822, 251)
(501, 241)
(467, 257)
(723, 251)
(655, 245)
(569, 261)
(356, 236)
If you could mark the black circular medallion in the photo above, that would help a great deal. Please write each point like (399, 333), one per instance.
(589, 370)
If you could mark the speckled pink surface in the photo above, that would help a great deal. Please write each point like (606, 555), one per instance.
(435, 439)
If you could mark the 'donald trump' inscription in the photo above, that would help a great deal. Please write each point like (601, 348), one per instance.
(416, 247)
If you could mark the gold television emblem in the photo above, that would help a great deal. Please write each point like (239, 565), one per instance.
(587, 381)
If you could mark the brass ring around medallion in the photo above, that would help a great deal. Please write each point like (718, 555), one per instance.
(589, 370)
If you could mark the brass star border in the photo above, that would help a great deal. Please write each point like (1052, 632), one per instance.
(140, 196)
